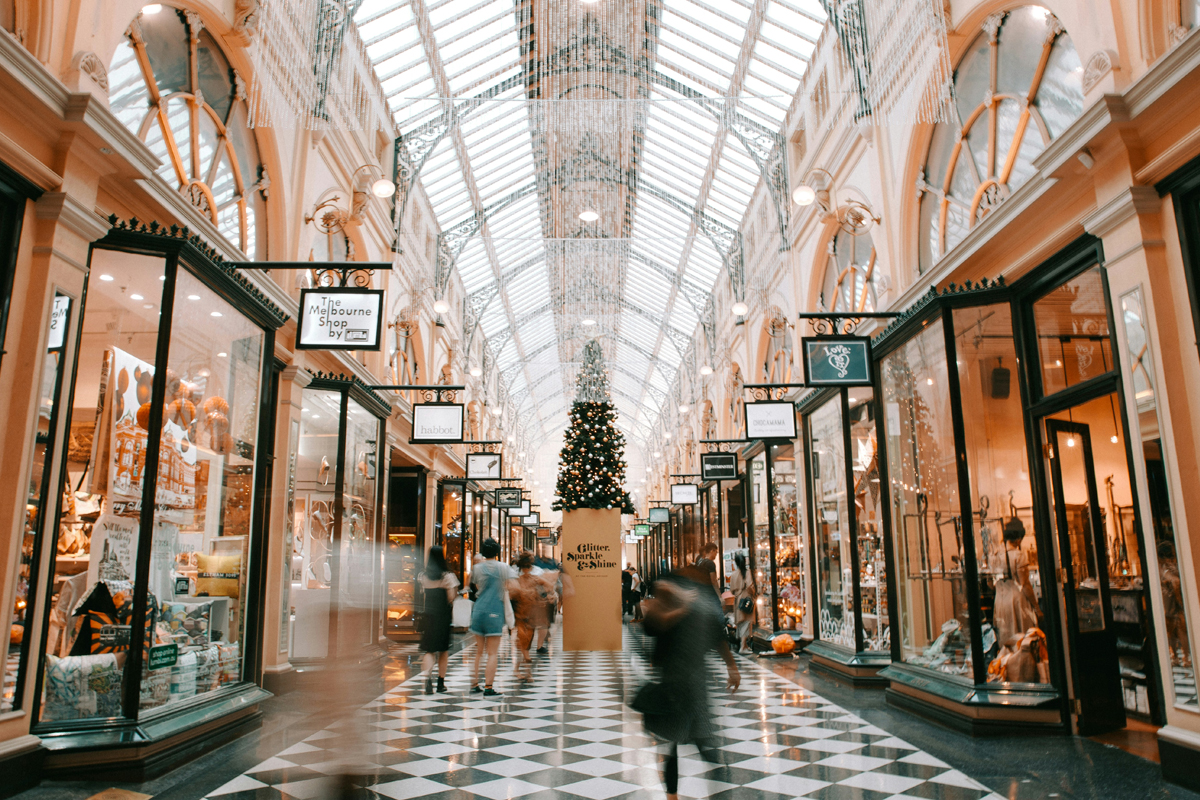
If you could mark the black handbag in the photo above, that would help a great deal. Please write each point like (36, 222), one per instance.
(659, 706)
(745, 605)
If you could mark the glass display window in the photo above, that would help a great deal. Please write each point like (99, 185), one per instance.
(853, 631)
(1074, 340)
(760, 547)
(451, 533)
(1176, 637)
(931, 579)
(791, 602)
(1012, 604)
(336, 576)
(150, 598)
(37, 502)
(831, 524)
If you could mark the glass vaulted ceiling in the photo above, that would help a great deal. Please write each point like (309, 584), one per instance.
(678, 63)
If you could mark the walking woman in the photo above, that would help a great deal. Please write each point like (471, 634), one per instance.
(440, 589)
(487, 615)
(533, 596)
(741, 586)
(684, 615)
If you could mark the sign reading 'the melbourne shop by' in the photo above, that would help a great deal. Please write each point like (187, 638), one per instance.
(339, 319)
(837, 361)
(771, 420)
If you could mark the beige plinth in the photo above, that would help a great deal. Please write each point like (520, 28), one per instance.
(591, 557)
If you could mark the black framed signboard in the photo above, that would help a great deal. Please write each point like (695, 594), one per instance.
(485, 466)
(685, 494)
(521, 510)
(659, 514)
(718, 466)
(837, 360)
(545, 534)
(508, 498)
(437, 423)
(771, 420)
(339, 318)
(533, 520)
(641, 529)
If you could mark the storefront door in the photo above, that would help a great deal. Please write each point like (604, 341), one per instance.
(1079, 522)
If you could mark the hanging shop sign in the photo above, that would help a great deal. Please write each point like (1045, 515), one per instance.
(659, 514)
(545, 534)
(520, 511)
(685, 494)
(343, 318)
(533, 520)
(718, 466)
(437, 423)
(58, 322)
(641, 530)
(485, 467)
(837, 361)
(508, 498)
(771, 420)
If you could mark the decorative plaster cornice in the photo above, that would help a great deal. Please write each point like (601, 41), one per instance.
(297, 375)
(1132, 201)
(73, 215)
(28, 165)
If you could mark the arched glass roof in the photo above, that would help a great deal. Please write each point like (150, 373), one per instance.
(659, 116)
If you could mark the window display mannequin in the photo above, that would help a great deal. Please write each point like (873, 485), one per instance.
(1016, 604)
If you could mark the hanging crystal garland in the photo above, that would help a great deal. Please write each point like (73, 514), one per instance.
(311, 69)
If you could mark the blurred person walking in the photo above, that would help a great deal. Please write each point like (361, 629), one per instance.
(487, 615)
(532, 595)
(440, 588)
(636, 590)
(741, 586)
(685, 618)
(708, 562)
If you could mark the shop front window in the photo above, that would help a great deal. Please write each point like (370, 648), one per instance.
(1140, 360)
(831, 524)
(935, 629)
(1074, 342)
(171, 85)
(358, 583)
(764, 576)
(1018, 87)
(867, 498)
(193, 630)
(789, 547)
(453, 503)
(38, 502)
(1001, 501)
(314, 516)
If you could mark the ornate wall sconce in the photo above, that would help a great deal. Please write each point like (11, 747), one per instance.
(853, 216)
(330, 217)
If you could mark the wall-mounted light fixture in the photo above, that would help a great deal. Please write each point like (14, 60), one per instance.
(853, 216)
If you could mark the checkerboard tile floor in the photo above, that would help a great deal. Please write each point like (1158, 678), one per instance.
(570, 734)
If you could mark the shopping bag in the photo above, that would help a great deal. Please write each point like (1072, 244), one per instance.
(460, 615)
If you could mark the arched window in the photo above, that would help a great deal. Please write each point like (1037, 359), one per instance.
(172, 86)
(852, 277)
(1019, 86)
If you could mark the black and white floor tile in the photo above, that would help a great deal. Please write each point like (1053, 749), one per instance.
(569, 733)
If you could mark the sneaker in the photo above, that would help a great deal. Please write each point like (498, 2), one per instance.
(543, 650)
(490, 692)
(429, 685)
(476, 689)
(441, 687)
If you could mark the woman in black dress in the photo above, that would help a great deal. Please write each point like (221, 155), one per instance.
(685, 618)
(440, 587)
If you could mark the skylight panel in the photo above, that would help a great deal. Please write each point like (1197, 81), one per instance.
(678, 31)
(482, 39)
(806, 26)
(793, 63)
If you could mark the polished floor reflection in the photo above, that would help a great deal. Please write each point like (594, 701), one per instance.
(570, 734)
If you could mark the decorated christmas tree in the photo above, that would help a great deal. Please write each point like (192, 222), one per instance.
(591, 471)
